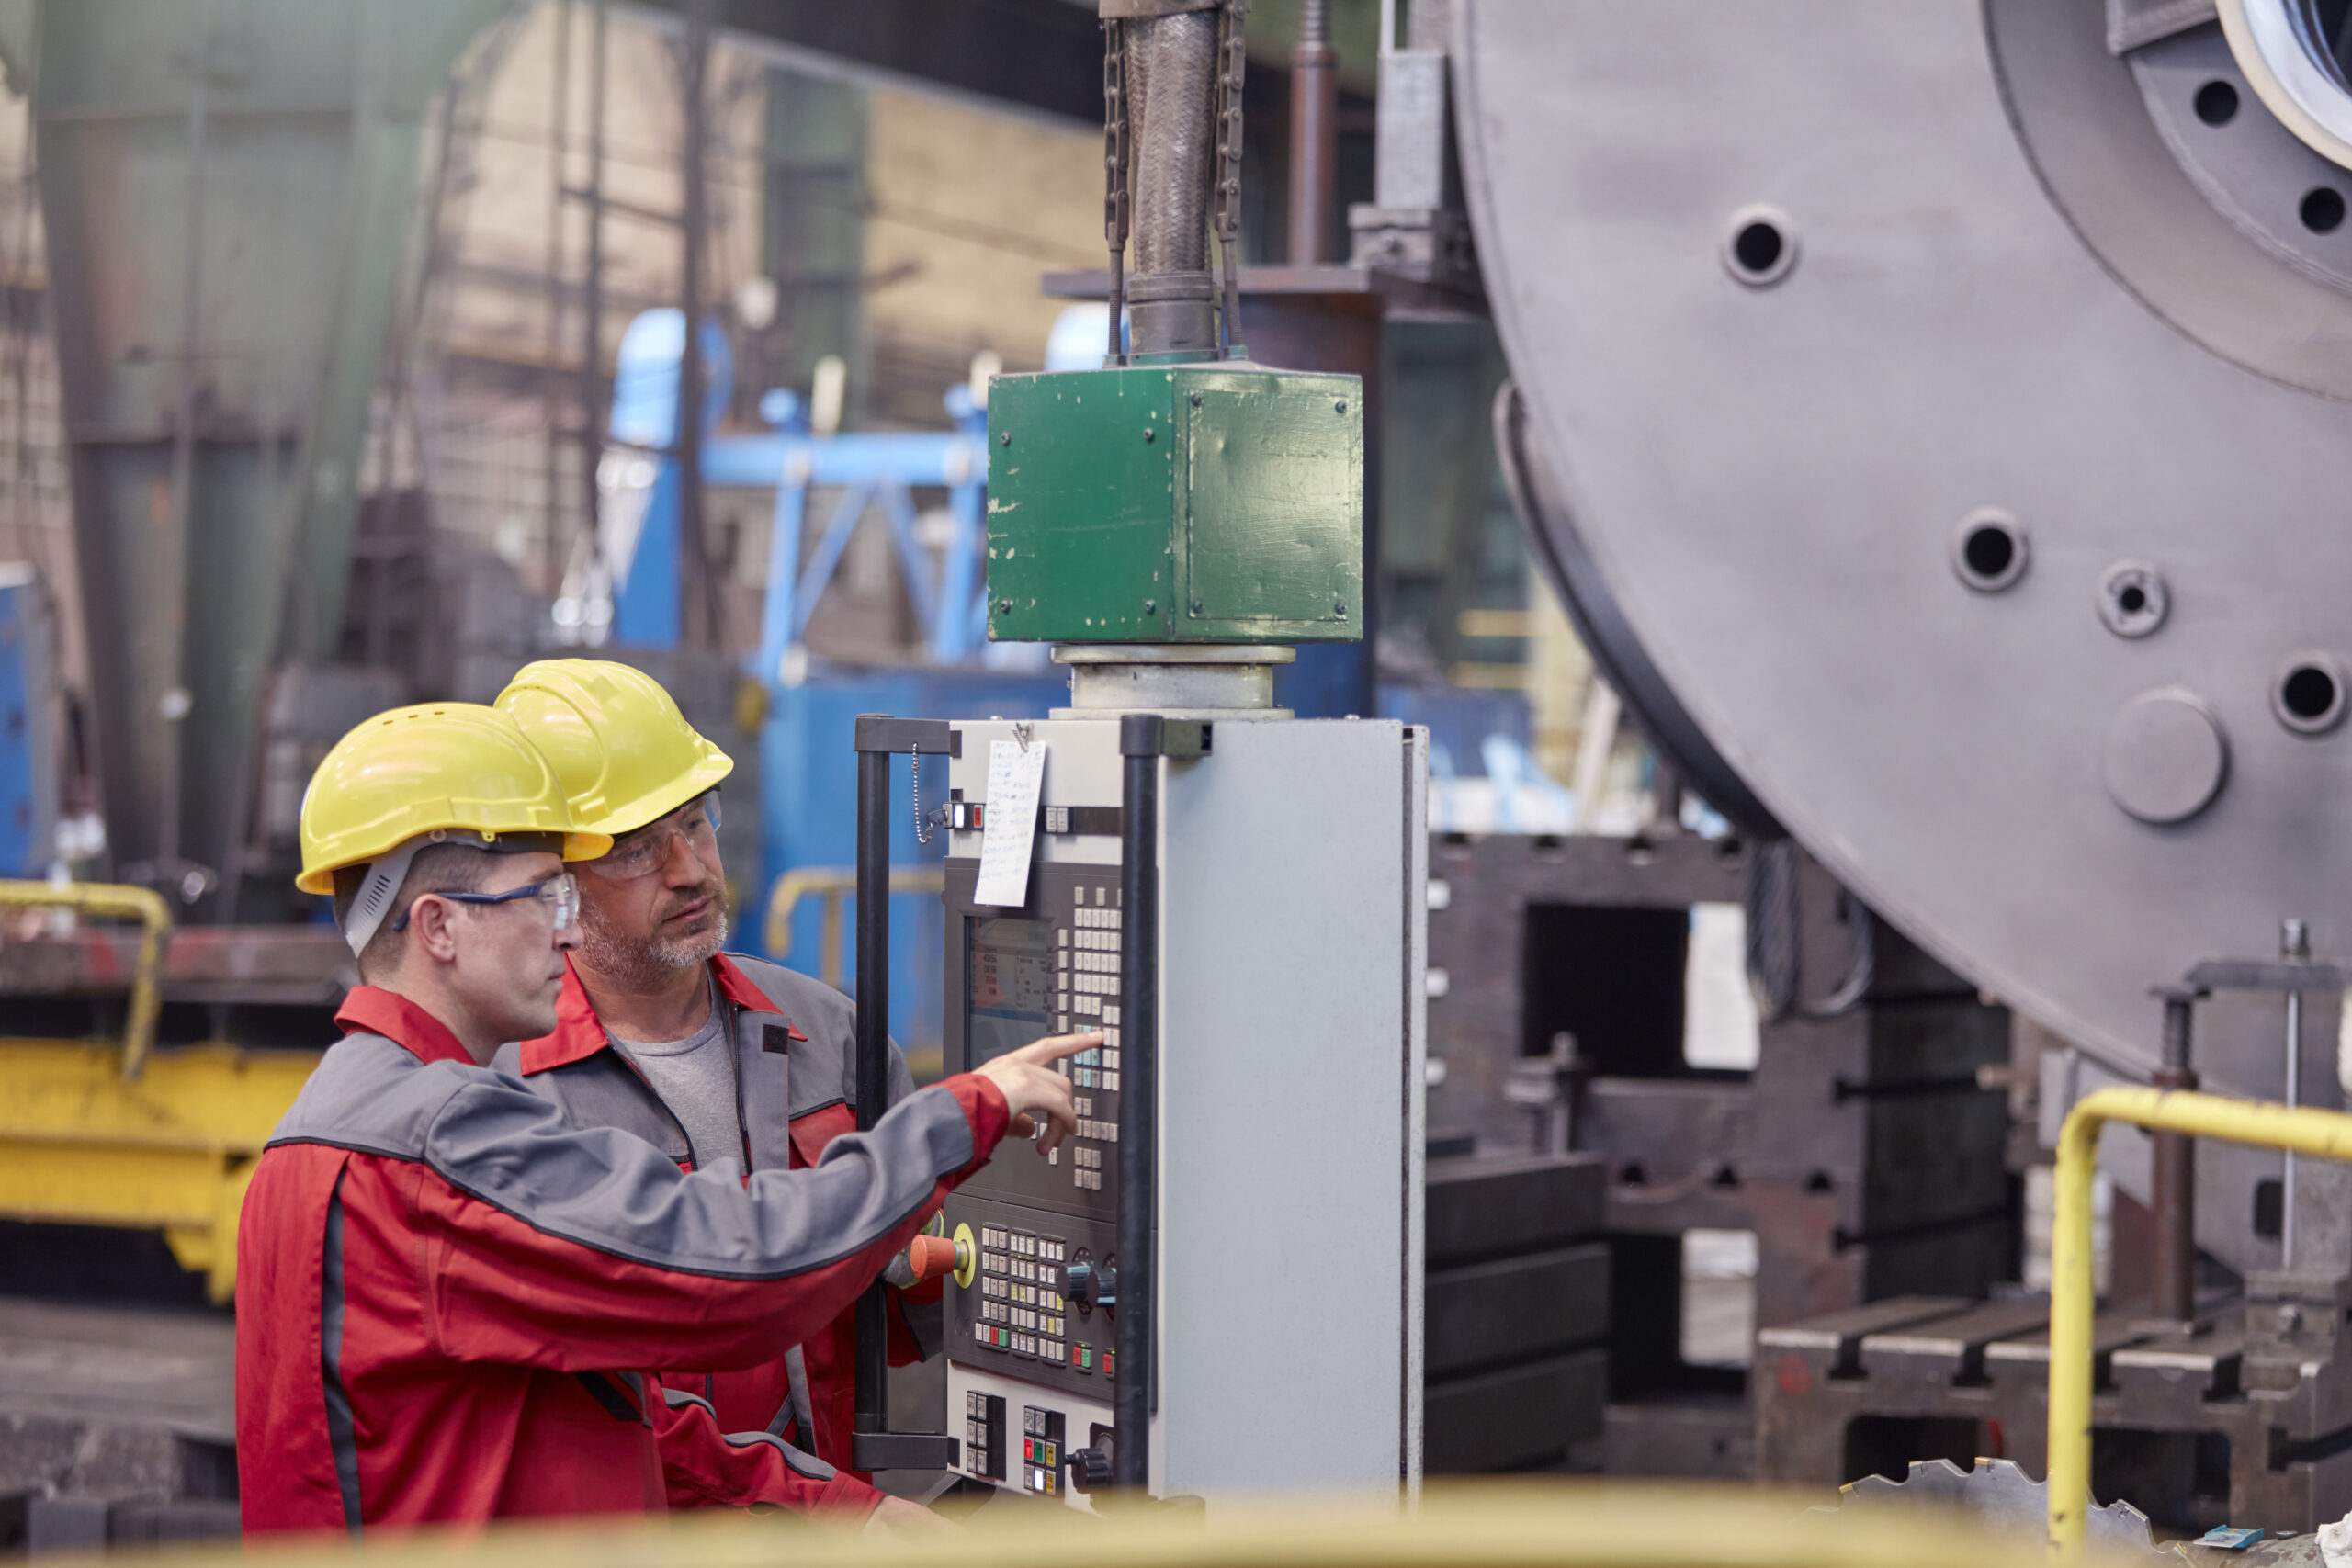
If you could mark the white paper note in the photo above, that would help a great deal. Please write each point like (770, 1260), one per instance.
(1011, 824)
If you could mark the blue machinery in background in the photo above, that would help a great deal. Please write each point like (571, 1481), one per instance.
(867, 468)
(28, 768)
(808, 774)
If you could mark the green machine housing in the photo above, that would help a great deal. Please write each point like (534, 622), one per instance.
(1204, 501)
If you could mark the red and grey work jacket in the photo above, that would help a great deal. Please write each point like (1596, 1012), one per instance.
(448, 1291)
(795, 1076)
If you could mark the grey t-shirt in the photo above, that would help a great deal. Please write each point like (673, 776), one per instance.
(695, 1079)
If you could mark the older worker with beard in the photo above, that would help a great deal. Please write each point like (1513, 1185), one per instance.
(712, 1055)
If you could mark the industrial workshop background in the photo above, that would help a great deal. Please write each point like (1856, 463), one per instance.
(1848, 527)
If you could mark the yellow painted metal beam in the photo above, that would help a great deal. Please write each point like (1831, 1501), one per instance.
(142, 904)
(1525, 1523)
(2327, 1133)
(832, 882)
(170, 1150)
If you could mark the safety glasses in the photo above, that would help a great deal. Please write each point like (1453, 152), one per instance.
(647, 851)
(561, 894)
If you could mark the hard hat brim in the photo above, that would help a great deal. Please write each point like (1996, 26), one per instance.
(578, 844)
(657, 803)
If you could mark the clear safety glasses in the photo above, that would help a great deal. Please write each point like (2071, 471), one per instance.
(647, 851)
(561, 894)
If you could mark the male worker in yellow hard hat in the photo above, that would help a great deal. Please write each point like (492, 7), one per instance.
(711, 1054)
(447, 1288)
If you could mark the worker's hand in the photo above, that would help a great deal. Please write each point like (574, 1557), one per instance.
(896, 1515)
(1033, 1090)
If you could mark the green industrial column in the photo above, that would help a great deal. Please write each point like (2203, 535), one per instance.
(229, 191)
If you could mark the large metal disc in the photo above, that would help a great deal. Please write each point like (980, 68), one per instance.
(1977, 485)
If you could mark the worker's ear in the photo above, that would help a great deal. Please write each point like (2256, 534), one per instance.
(432, 927)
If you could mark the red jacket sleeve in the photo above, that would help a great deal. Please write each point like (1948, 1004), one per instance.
(552, 1245)
(703, 1466)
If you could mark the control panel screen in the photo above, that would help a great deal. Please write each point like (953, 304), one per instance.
(1011, 972)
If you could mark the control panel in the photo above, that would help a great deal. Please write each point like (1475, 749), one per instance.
(1050, 967)
(1288, 1096)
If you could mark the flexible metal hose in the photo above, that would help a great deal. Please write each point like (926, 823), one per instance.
(1170, 122)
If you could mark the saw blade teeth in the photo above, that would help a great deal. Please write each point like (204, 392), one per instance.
(2002, 1497)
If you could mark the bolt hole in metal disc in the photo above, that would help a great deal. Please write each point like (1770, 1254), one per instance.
(2308, 696)
(2133, 599)
(1989, 550)
(2217, 103)
(1759, 246)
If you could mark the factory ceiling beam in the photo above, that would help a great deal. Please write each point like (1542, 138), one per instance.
(1043, 54)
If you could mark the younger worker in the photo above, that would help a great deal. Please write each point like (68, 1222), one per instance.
(445, 1287)
(710, 1054)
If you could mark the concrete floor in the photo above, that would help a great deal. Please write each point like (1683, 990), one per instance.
(175, 1369)
(116, 1401)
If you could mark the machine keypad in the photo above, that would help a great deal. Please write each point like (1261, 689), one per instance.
(984, 1435)
(1020, 1307)
(1041, 1451)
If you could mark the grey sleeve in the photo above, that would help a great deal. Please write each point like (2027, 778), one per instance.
(903, 1079)
(605, 1189)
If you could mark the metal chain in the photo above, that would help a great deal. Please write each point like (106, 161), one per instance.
(915, 768)
(1114, 173)
(1233, 60)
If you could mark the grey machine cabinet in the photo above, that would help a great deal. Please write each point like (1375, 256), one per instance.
(1292, 868)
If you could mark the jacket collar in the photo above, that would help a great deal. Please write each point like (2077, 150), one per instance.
(374, 1010)
(579, 1034)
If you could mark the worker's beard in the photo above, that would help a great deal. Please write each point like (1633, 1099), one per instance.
(642, 962)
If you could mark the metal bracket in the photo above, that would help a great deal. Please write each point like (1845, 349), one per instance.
(2268, 974)
(881, 732)
(870, 1452)
(1149, 735)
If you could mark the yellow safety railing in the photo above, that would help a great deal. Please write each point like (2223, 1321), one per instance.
(2327, 1133)
(833, 884)
(142, 904)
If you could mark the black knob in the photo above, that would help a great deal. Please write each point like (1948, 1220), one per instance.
(1091, 1285)
(1088, 1468)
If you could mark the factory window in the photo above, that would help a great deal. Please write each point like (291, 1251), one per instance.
(1719, 1022)
(1718, 1297)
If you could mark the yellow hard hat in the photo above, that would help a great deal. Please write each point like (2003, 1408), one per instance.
(627, 756)
(458, 768)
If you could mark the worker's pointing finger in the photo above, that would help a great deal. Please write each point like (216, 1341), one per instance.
(1055, 1047)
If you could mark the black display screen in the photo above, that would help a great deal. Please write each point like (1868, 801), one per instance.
(1008, 973)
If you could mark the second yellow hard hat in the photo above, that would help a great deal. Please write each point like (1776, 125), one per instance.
(624, 752)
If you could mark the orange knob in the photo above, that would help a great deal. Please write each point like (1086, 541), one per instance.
(931, 1255)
